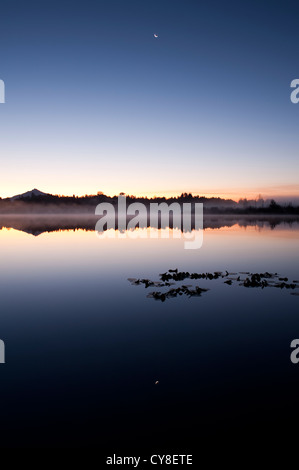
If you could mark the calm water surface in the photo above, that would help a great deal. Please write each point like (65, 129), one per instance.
(84, 347)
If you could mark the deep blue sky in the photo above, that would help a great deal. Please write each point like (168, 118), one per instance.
(94, 102)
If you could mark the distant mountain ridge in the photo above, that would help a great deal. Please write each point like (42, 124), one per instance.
(39, 196)
(29, 194)
(38, 202)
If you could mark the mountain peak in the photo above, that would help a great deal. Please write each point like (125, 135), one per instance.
(33, 193)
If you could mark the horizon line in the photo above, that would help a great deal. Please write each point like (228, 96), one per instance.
(170, 194)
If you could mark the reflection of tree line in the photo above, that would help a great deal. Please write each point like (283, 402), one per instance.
(37, 224)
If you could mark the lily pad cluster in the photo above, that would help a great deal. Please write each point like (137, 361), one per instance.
(245, 279)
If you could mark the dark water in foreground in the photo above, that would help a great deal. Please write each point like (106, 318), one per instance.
(84, 347)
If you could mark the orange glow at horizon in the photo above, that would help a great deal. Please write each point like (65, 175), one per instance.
(286, 191)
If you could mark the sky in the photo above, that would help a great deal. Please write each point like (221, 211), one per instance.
(95, 103)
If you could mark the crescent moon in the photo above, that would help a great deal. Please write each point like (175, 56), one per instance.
(155, 35)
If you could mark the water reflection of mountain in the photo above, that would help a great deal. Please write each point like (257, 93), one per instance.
(38, 224)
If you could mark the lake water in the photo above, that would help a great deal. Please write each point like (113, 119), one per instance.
(84, 347)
